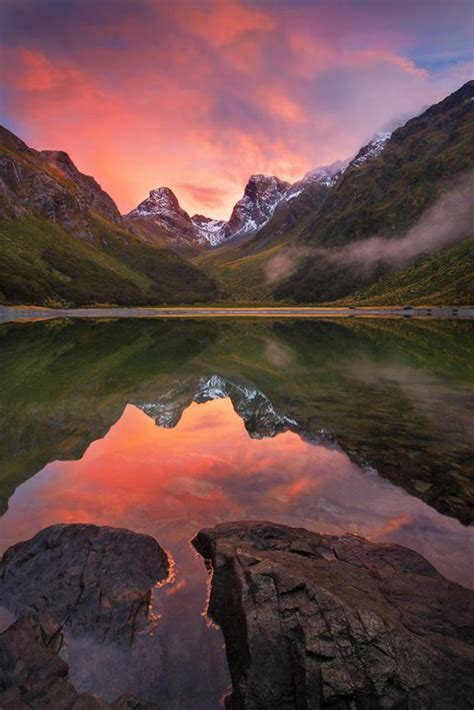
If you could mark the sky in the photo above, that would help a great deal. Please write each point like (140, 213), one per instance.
(197, 95)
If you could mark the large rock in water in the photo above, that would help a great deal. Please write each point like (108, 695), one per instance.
(316, 621)
(34, 675)
(95, 580)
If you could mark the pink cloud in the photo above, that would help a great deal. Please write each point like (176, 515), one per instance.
(207, 93)
(211, 197)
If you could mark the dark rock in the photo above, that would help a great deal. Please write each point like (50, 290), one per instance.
(33, 674)
(316, 621)
(95, 580)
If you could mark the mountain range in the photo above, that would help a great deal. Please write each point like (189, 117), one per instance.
(161, 220)
(391, 224)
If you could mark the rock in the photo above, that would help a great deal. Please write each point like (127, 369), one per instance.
(315, 621)
(33, 674)
(95, 580)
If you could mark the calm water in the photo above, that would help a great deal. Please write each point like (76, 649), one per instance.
(165, 427)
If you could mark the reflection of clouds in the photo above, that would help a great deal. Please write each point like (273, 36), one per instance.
(431, 395)
(195, 487)
(278, 354)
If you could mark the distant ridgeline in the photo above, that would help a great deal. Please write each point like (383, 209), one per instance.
(390, 226)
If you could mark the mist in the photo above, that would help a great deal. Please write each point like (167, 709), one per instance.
(448, 220)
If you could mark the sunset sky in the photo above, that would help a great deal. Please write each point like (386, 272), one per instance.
(199, 94)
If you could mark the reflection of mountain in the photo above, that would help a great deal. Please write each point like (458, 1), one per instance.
(64, 385)
(255, 409)
(387, 392)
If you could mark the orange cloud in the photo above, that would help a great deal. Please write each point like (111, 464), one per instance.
(207, 93)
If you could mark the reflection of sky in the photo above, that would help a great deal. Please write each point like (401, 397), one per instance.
(171, 482)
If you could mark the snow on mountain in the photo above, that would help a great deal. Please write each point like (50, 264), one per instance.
(373, 148)
(325, 175)
(209, 230)
(162, 212)
(162, 205)
(262, 194)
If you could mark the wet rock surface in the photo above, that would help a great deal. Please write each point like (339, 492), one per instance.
(34, 674)
(94, 580)
(317, 621)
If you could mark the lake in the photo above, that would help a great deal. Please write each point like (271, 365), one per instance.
(168, 426)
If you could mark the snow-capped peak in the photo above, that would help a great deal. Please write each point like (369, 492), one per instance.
(161, 201)
(373, 148)
(261, 196)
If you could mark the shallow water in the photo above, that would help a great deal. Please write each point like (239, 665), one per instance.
(167, 427)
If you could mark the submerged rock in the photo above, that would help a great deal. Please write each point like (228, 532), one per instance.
(316, 621)
(34, 675)
(95, 580)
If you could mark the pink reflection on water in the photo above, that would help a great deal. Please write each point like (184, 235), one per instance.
(171, 482)
(207, 469)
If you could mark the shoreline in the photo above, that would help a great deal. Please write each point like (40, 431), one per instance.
(34, 313)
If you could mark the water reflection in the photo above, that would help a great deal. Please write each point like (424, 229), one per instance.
(169, 427)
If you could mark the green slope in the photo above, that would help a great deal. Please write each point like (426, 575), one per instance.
(444, 278)
(384, 196)
(41, 263)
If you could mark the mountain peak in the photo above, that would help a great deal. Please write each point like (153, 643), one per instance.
(261, 196)
(161, 203)
(163, 193)
(260, 182)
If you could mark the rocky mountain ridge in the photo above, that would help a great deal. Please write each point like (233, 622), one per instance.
(160, 217)
(315, 248)
(384, 192)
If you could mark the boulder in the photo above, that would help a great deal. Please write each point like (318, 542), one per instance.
(316, 621)
(34, 675)
(95, 580)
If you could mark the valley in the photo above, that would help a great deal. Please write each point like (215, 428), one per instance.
(393, 224)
